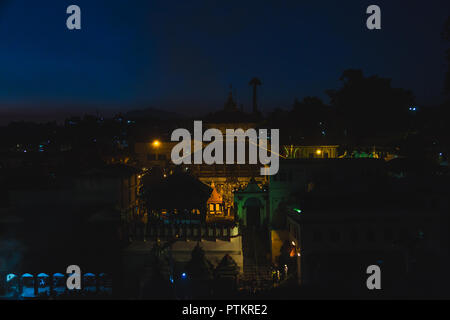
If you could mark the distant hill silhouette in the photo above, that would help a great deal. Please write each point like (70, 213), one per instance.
(153, 113)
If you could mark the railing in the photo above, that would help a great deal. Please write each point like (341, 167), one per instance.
(193, 232)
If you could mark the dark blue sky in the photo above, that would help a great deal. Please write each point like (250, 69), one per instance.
(182, 55)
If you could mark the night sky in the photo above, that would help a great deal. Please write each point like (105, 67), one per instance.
(182, 55)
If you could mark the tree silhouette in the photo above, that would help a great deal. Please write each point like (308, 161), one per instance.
(446, 36)
(370, 106)
(310, 121)
(199, 273)
(199, 268)
(313, 117)
(156, 284)
(180, 191)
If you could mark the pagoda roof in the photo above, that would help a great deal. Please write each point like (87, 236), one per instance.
(215, 196)
(232, 114)
(227, 267)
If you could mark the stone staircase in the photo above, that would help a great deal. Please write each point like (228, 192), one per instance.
(257, 276)
(257, 273)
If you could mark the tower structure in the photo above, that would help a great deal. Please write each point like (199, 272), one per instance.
(255, 82)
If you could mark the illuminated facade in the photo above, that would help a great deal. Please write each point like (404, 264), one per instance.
(217, 210)
(310, 152)
(226, 178)
(252, 205)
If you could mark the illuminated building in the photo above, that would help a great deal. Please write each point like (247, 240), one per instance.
(216, 208)
(185, 213)
(252, 205)
(154, 153)
(226, 178)
(310, 152)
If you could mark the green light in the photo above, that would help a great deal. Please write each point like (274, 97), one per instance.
(298, 210)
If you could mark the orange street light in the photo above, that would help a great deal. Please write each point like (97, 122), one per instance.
(156, 144)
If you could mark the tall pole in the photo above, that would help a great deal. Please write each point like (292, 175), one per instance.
(255, 97)
(299, 268)
(255, 82)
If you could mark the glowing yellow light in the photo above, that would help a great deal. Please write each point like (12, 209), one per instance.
(156, 143)
(319, 152)
(293, 243)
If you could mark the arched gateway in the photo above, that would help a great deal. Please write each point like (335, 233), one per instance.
(251, 205)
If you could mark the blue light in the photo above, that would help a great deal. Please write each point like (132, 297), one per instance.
(183, 275)
(10, 276)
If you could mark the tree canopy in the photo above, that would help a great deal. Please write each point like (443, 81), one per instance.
(446, 36)
(370, 106)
